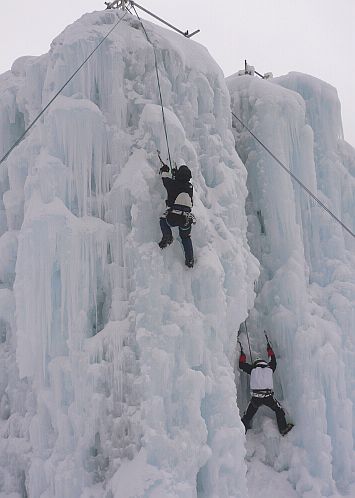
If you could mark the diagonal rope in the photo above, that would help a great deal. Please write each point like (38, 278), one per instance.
(59, 91)
(309, 192)
(160, 94)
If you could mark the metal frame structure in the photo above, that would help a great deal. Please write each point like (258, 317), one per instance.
(117, 4)
(246, 71)
(124, 4)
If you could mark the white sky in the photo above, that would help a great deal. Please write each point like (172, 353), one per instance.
(310, 36)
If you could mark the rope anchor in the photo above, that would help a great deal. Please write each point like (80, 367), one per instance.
(125, 4)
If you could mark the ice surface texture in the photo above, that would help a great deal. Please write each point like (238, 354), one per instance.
(306, 290)
(117, 379)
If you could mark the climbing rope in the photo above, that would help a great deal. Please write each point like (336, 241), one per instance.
(314, 197)
(59, 91)
(159, 87)
(296, 179)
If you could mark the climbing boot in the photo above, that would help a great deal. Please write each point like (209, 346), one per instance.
(287, 429)
(247, 424)
(189, 262)
(165, 241)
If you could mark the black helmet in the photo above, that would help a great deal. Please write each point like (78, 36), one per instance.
(183, 174)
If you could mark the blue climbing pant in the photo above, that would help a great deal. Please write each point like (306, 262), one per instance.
(178, 220)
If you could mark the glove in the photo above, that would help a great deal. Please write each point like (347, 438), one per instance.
(270, 351)
(164, 169)
(242, 357)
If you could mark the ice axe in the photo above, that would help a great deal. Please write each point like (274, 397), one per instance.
(160, 159)
(241, 347)
(173, 169)
(267, 339)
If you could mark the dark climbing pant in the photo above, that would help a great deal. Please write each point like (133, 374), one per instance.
(177, 220)
(272, 403)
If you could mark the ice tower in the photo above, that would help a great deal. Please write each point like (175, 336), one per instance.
(117, 362)
(306, 289)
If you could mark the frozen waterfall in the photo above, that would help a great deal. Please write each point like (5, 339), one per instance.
(306, 289)
(117, 363)
(124, 384)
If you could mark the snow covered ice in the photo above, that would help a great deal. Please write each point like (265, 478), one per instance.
(116, 362)
(124, 357)
(306, 289)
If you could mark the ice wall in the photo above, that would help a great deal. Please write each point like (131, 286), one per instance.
(306, 289)
(119, 378)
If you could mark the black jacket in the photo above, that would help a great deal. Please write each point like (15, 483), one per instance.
(247, 367)
(174, 188)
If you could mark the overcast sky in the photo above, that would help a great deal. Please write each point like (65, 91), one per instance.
(311, 36)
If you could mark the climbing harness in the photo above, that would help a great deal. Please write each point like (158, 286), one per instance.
(314, 197)
(189, 218)
(59, 91)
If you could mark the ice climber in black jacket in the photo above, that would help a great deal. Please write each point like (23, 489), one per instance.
(178, 214)
(262, 389)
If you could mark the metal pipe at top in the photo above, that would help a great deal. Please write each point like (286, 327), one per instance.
(186, 33)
